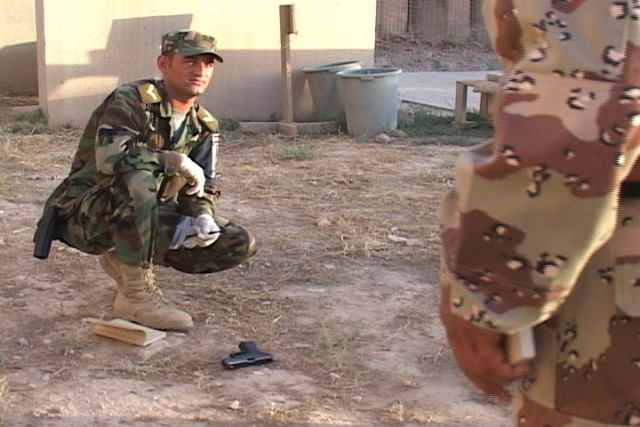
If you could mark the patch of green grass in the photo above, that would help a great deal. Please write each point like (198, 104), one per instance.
(454, 140)
(294, 150)
(30, 123)
(438, 129)
(235, 138)
(34, 116)
(229, 124)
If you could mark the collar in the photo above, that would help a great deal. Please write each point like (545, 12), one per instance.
(153, 92)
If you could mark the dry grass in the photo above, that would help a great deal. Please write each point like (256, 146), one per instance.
(4, 390)
(321, 207)
(336, 348)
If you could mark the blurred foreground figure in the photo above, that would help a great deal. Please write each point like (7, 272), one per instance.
(542, 229)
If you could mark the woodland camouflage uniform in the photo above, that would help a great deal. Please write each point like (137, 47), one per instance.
(543, 227)
(99, 211)
(142, 169)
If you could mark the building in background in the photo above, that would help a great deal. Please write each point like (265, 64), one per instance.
(85, 49)
(72, 63)
(432, 21)
(18, 57)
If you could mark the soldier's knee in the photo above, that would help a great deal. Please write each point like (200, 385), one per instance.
(140, 186)
(234, 246)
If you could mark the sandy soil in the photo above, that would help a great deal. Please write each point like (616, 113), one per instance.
(343, 292)
(417, 55)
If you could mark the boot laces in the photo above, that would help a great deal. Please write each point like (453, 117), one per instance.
(151, 286)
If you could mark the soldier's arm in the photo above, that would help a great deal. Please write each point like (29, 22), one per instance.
(204, 154)
(120, 144)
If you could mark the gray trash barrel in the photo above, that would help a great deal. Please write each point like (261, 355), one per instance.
(323, 84)
(369, 97)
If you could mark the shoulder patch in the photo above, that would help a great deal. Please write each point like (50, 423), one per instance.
(149, 93)
(207, 119)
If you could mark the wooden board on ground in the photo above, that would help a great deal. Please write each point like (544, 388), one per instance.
(126, 331)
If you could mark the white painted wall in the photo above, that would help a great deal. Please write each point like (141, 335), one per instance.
(81, 60)
(18, 66)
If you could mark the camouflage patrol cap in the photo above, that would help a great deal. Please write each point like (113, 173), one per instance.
(189, 43)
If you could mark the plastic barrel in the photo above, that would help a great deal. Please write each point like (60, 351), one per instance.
(323, 84)
(369, 97)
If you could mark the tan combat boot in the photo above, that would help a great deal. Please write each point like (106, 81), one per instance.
(139, 299)
(110, 267)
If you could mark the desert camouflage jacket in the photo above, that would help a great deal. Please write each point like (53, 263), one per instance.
(532, 205)
(536, 207)
(129, 131)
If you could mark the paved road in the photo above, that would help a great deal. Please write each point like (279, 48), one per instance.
(438, 88)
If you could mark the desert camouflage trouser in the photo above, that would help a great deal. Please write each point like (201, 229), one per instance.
(587, 369)
(122, 212)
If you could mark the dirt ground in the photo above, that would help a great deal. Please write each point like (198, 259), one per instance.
(343, 292)
(417, 55)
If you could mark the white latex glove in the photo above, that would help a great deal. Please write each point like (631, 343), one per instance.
(205, 230)
(192, 173)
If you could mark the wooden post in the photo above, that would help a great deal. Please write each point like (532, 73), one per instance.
(460, 112)
(287, 27)
(287, 126)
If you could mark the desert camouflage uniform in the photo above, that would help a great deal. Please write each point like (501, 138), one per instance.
(539, 229)
(119, 193)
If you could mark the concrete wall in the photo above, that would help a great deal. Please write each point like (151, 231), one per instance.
(18, 65)
(81, 60)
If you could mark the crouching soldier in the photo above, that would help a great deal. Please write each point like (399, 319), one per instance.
(142, 188)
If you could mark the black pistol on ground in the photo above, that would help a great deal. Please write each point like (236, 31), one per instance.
(249, 355)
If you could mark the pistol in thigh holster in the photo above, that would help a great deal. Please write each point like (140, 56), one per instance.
(46, 231)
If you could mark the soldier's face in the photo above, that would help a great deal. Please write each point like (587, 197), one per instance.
(186, 76)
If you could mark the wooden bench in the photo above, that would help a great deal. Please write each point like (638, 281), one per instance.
(487, 89)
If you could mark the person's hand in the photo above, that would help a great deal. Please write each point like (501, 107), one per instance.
(480, 354)
(205, 232)
(193, 173)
